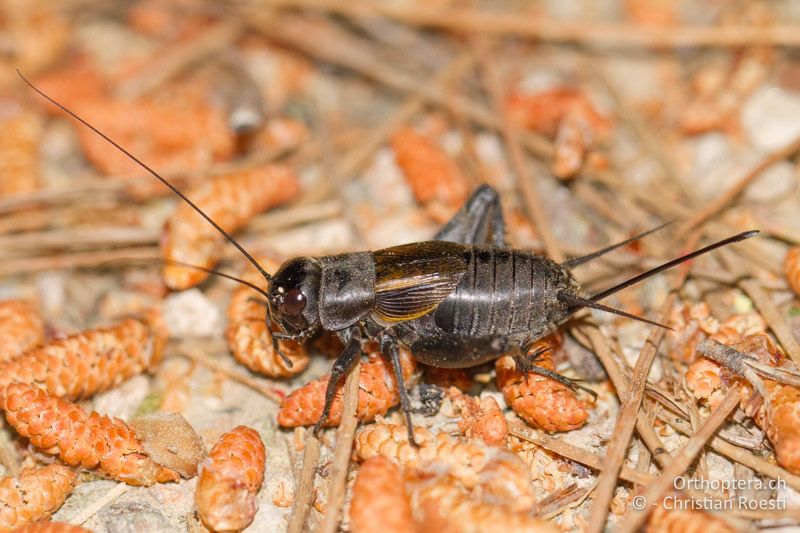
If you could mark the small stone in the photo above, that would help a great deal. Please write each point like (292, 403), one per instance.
(191, 314)
(771, 118)
(129, 516)
(170, 441)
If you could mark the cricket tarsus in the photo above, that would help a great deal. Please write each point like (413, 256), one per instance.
(669, 264)
(577, 261)
(155, 174)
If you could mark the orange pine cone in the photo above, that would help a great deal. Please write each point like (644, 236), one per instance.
(51, 527)
(791, 268)
(34, 495)
(432, 174)
(19, 149)
(184, 134)
(475, 465)
(380, 502)
(21, 328)
(703, 378)
(231, 201)
(539, 400)
(74, 82)
(230, 478)
(377, 393)
(60, 427)
(780, 419)
(444, 505)
(447, 377)
(481, 418)
(82, 365)
(544, 111)
(506, 481)
(250, 340)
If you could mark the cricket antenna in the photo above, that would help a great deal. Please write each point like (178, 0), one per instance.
(153, 173)
(211, 271)
(669, 264)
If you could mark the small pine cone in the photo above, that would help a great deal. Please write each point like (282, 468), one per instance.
(250, 340)
(469, 462)
(665, 520)
(703, 378)
(34, 495)
(447, 377)
(380, 502)
(539, 400)
(52, 527)
(443, 505)
(171, 136)
(434, 177)
(230, 478)
(19, 150)
(391, 441)
(780, 419)
(60, 427)
(506, 480)
(737, 327)
(791, 268)
(21, 328)
(377, 393)
(481, 418)
(571, 142)
(82, 365)
(545, 111)
(691, 324)
(231, 201)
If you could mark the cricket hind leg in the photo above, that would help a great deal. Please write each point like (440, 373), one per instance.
(480, 221)
(390, 349)
(527, 364)
(342, 365)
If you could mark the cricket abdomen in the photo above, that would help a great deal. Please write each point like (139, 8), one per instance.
(505, 292)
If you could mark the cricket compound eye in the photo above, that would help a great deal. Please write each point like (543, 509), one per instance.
(294, 302)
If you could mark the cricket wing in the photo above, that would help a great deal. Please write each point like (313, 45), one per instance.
(413, 279)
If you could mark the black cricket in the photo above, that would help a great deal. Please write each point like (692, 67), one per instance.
(460, 300)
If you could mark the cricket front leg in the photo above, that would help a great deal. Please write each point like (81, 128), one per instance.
(342, 365)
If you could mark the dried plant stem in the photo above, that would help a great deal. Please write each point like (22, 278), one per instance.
(652, 495)
(579, 455)
(722, 201)
(644, 427)
(342, 49)
(87, 188)
(75, 260)
(623, 431)
(734, 452)
(546, 29)
(525, 183)
(341, 455)
(78, 238)
(630, 414)
(354, 160)
(304, 488)
(92, 509)
(208, 362)
(176, 60)
(773, 318)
